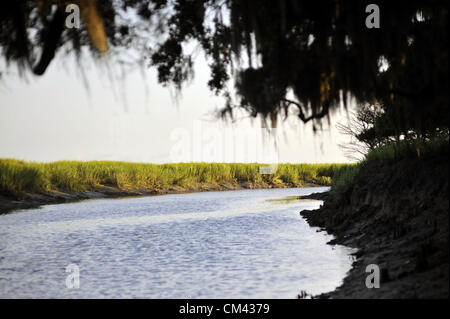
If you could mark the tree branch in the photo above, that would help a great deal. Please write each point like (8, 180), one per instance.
(301, 114)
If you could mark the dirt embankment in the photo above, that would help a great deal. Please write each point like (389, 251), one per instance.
(33, 200)
(397, 215)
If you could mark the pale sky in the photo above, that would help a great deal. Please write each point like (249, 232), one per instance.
(54, 117)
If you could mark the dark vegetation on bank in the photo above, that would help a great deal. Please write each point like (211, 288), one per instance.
(28, 184)
(394, 208)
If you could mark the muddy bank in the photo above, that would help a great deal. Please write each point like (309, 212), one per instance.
(33, 200)
(397, 217)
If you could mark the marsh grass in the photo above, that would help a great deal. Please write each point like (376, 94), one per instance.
(415, 148)
(419, 149)
(20, 177)
(344, 177)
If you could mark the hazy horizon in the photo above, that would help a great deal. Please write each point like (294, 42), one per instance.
(56, 117)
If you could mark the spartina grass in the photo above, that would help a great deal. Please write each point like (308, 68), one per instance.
(20, 177)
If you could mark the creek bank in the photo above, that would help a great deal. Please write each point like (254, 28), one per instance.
(9, 204)
(396, 215)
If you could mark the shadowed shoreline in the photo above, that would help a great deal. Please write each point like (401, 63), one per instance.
(35, 200)
(397, 218)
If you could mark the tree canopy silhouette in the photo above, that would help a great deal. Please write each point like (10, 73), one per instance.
(305, 56)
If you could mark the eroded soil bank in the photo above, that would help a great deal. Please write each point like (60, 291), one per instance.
(32, 200)
(397, 216)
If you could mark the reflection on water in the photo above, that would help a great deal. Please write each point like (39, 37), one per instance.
(291, 199)
(235, 244)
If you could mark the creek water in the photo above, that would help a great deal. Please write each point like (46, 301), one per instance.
(232, 244)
